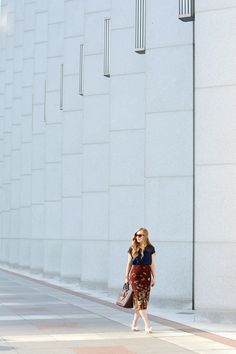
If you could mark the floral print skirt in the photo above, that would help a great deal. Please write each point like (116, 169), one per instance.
(140, 280)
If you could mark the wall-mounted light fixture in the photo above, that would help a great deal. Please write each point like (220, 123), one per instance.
(61, 85)
(140, 26)
(3, 17)
(81, 70)
(106, 66)
(186, 10)
(45, 100)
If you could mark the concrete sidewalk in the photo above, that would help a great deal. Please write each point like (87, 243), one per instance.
(39, 318)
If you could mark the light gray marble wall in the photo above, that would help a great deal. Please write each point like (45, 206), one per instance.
(77, 182)
(215, 155)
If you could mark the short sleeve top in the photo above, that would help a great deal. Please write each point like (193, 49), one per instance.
(147, 256)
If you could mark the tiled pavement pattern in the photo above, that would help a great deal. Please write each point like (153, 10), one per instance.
(36, 318)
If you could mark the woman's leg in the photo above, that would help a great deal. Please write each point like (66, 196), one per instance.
(135, 319)
(144, 315)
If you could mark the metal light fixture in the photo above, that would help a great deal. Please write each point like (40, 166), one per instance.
(45, 100)
(106, 67)
(186, 10)
(61, 85)
(81, 70)
(140, 26)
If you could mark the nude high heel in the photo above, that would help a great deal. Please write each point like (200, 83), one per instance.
(148, 329)
(134, 328)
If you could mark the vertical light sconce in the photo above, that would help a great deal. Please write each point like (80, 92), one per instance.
(45, 100)
(61, 85)
(106, 67)
(186, 10)
(140, 26)
(81, 70)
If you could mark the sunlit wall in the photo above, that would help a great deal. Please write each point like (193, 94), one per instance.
(79, 173)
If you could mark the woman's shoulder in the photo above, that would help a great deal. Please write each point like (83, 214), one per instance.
(150, 248)
(130, 250)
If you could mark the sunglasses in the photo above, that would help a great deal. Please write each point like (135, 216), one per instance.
(139, 235)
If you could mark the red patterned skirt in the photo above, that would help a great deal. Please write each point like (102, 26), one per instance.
(140, 280)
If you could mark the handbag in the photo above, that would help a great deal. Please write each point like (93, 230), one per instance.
(125, 298)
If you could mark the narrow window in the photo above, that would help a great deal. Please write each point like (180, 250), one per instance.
(61, 85)
(81, 70)
(140, 26)
(106, 68)
(186, 10)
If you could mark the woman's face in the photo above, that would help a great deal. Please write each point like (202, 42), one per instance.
(139, 236)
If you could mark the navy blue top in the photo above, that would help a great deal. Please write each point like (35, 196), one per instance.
(147, 256)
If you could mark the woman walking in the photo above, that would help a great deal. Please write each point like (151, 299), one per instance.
(140, 273)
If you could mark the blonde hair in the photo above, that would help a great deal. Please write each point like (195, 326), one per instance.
(136, 246)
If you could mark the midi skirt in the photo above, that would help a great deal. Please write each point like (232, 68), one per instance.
(140, 280)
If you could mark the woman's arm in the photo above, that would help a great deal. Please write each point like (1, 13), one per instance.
(128, 267)
(153, 271)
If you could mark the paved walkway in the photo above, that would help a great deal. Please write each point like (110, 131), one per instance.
(38, 318)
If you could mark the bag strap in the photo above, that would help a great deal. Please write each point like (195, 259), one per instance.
(126, 286)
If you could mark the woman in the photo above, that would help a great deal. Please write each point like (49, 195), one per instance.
(140, 272)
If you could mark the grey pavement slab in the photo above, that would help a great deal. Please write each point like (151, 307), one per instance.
(44, 319)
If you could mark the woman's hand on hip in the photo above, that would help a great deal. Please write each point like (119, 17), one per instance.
(153, 282)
